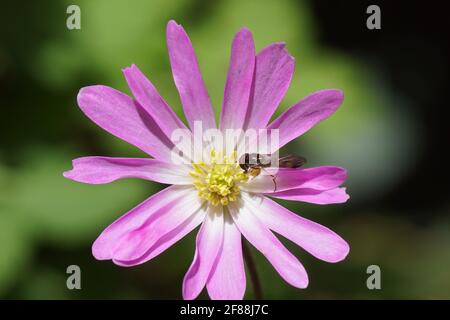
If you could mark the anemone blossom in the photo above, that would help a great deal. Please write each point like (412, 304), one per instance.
(215, 194)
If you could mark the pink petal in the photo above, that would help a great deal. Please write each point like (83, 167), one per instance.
(307, 113)
(227, 281)
(336, 195)
(187, 77)
(239, 81)
(286, 264)
(318, 240)
(317, 178)
(136, 244)
(118, 114)
(149, 98)
(145, 213)
(97, 170)
(167, 240)
(274, 68)
(208, 245)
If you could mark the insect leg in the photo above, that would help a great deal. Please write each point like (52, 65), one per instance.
(273, 179)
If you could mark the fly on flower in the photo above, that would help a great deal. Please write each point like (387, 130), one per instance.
(215, 193)
(254, 163)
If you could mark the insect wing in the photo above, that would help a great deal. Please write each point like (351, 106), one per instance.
(291, 161)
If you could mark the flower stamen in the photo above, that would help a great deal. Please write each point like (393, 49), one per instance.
(218, 181)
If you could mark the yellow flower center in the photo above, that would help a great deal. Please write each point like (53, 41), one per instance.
(218, 181)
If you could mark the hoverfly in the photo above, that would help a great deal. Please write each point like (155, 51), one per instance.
(254, 163)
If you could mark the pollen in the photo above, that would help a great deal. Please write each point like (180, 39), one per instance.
(218, 181)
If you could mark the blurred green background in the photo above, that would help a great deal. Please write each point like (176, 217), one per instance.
(388, 134)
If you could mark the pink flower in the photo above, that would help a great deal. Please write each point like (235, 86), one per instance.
(198, 195)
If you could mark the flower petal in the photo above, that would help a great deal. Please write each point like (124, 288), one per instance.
(281, 179)
(208, 245)
(274, 68)
(306, 113)
(136, 243)
(318, 240)
(336, 195)
(239, 81)
(187, 77)
(145, 213)
(118, 114)
(149, 98)
(97, 170)
(168, 239)
(227, 281)
(286, 264)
